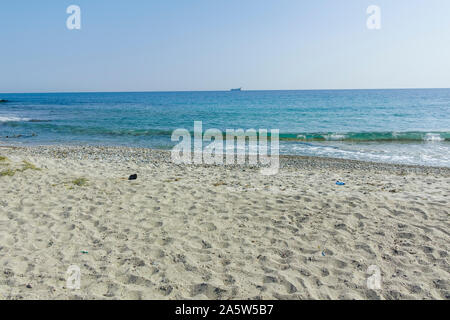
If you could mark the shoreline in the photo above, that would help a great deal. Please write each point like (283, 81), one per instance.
(285, 160)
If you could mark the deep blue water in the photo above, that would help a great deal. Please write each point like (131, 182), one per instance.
(401, 126)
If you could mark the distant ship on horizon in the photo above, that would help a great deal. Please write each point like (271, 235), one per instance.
(236, 89)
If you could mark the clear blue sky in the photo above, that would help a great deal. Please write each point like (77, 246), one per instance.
(145, 45)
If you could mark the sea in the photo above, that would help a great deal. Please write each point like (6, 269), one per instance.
(408, 126)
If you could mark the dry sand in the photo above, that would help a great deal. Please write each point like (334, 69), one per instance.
(215, 232)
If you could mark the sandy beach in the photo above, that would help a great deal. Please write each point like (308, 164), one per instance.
(218, 232)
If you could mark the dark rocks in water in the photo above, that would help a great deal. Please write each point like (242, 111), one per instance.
(133, 177)
(3, 101)
(21, 136)
(14, 136)
(37, 120)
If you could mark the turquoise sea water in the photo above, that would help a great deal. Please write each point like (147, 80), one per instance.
(400, 126)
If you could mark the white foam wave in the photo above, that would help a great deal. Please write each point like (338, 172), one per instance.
(12, 119)
(335, 137)
(429, 154)
(433, 137)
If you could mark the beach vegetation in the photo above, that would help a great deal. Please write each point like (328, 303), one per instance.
(25, 166)
(28, 166)
(3, 159)
(7, 172)
(80, 182)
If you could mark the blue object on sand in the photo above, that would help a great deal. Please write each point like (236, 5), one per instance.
(339, 183)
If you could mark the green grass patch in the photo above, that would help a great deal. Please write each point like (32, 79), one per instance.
(10, 172)
(7, 172)
(80, 182)
(29, 166)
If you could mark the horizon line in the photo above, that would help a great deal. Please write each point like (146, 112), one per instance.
(229, 90)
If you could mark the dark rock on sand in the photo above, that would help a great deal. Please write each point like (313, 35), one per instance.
(133, 177)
